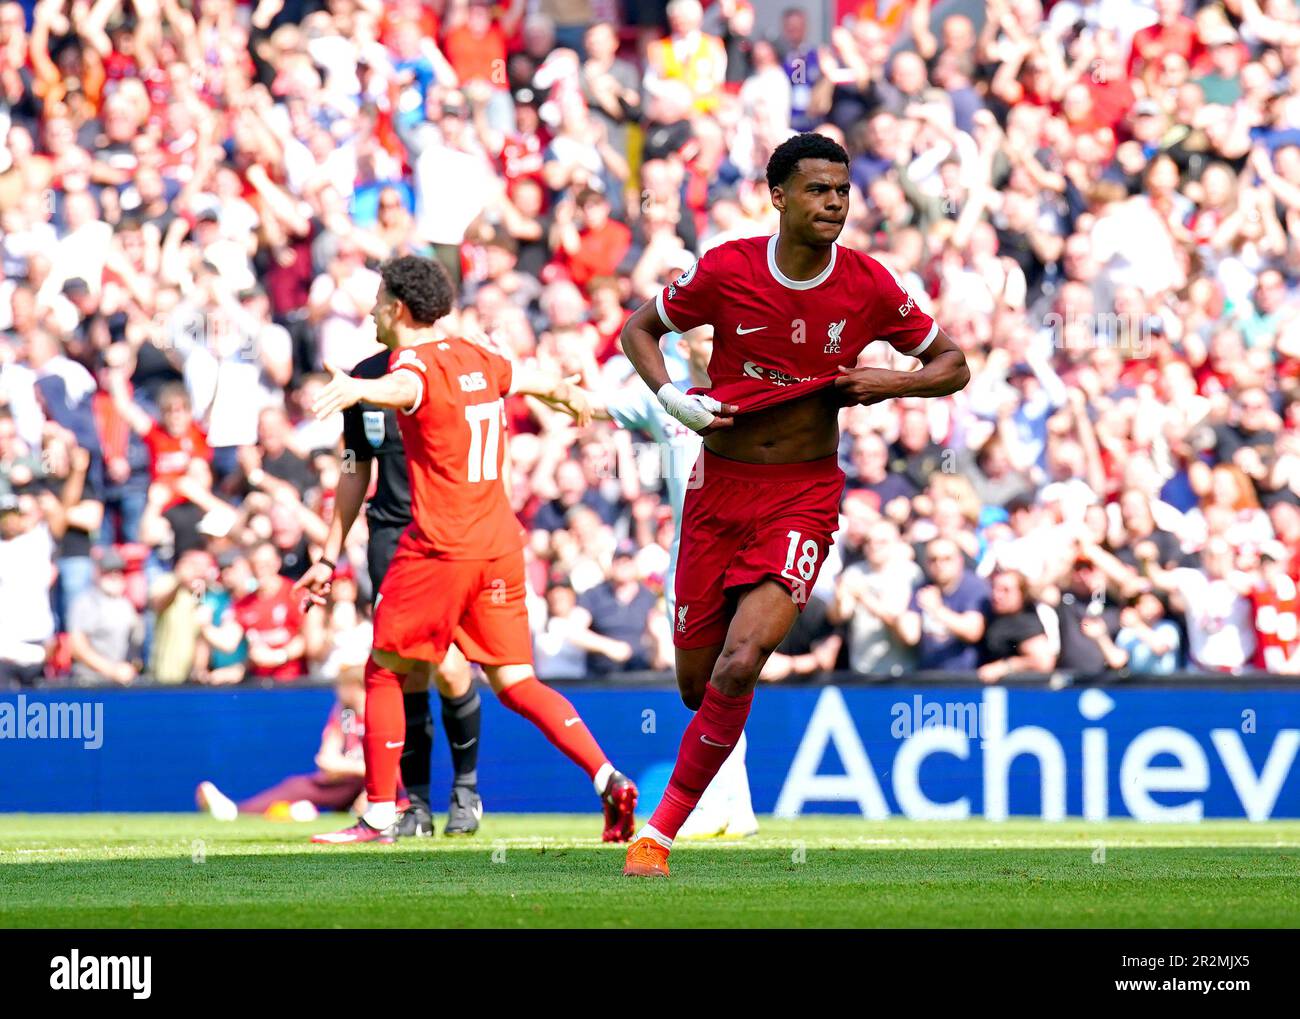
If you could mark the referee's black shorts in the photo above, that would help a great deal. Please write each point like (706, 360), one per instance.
(379, 553)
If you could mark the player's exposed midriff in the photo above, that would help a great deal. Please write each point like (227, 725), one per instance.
(803, 429)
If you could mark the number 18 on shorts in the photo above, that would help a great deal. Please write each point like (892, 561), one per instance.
(747, 523)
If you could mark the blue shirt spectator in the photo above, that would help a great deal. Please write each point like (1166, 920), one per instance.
(946, 616)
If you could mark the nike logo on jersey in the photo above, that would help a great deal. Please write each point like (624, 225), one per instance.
(742, 332)
(394, 746)
(705, 739)
(571, 721)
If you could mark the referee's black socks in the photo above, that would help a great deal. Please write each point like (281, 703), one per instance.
(461, 720)
(418, 749)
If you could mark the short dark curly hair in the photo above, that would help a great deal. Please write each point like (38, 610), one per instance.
(785, 158)
(421, 284)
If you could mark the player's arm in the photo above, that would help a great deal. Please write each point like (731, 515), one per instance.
(597, 404)
(315, 638)
(401, 390)
(562, 393)
(943, 372)
(640, 337)
(349, 497)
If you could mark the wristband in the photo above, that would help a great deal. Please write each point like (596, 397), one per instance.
(328, 562)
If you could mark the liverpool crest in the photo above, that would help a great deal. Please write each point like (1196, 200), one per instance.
(833, 332)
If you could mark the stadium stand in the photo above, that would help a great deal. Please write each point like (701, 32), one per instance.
(1100, 202)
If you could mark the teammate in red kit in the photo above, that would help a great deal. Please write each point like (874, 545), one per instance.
(458, 574)
(790, 313)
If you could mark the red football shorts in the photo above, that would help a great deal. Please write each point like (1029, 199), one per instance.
(744, 523)
(427, 604)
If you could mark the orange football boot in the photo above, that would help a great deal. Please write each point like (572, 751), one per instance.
(646, 858)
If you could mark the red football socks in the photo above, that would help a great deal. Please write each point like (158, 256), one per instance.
(559, 721)
(707, 742)
(385, 732)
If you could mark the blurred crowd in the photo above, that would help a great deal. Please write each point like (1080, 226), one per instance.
(1098, 199)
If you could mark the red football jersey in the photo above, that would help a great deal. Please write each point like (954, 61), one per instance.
(275, 621)
(455, 441)
(776, 339)
(170, 455)
(1276, 611)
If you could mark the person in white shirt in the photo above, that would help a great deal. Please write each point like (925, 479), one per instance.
(1220, 633)
(871, 598)
(26, 574)
(81, 251)
(448, 160)
(556, 654)
(224, 383)
(339, 303)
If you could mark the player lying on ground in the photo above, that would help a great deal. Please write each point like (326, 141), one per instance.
(790, 313)
(336, 784)
(373, 437)
(458, 573)
(726, 808)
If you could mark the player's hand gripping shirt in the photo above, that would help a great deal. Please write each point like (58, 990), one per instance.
(455, 440)
(777, 339)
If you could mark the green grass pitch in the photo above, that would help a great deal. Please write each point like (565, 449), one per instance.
(173, 870)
